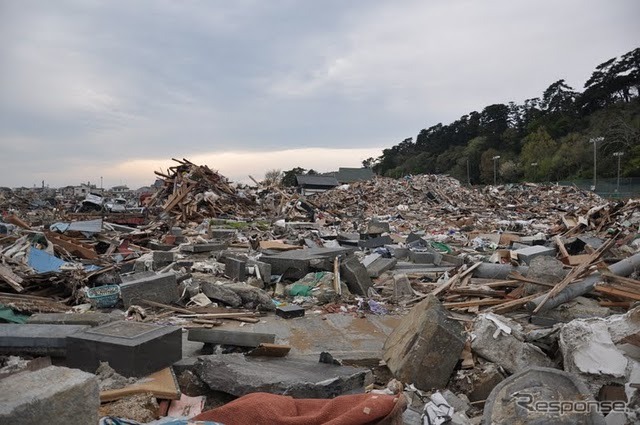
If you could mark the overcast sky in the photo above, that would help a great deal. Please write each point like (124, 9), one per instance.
(117, 88)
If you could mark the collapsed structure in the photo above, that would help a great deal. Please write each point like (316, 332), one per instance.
(434, 298)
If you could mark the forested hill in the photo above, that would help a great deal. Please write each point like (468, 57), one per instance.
(544, 139)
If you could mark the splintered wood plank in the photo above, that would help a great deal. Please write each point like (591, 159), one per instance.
(162, 384)
(11, 278)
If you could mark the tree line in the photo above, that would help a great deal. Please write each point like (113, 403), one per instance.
(547, 138)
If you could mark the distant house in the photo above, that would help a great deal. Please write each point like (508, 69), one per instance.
(350, 175)
(120, 191)
(310, 184)
(82, 190)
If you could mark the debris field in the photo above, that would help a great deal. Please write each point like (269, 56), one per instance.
(416, 300)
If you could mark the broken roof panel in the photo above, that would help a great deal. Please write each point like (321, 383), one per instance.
(313, 180)
(349, 175)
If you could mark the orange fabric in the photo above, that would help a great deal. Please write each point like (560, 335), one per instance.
(271, 409)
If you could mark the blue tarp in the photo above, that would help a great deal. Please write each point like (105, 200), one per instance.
(43, 262)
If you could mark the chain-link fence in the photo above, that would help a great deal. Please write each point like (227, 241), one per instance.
(628, 187)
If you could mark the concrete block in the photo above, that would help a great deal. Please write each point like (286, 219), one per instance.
(162, 259)
(162, 288)
(452, 259)
(377, 227)
(369, 259)
(355, 276)
(402, 287)
(130, 348)
(290, 311)
(53, 395)
(505, 349)
(157, 246)
(375, 242)
(220, 293)
(422, 257)
(529, 253)
(425, 347)
(240, 339)
(40, 340)
(224, 234)
(380, 266)
(205, 247)
(88, 319)
(398, 252)
(235, 269)
(263, 268)
(296, 264)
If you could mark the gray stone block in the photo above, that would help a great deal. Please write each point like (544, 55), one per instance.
(162, 288)
(42, 340)
(205, 247)
(89, 319)
(375, 242)
(240, 339)
(355, 276)
(377, 227)
(398, 252)
(380, 266)
(422, 257)
(224, 234)
(300, 378)
(296, 264)
(263, 268)
(529, 253)
(130, 348)
(162, 259)
(53, 395)
(235, 269)
(220, 293)
(425, 347)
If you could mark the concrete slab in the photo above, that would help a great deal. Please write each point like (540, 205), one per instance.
(295, 264)
(88, 319)
(240, 339)
(238, 375)
(53, 395)
(529, 253)
(130, 348)
(40, 339)
(355, 276)
(162, 288)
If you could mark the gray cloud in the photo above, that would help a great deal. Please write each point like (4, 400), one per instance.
(101, 82)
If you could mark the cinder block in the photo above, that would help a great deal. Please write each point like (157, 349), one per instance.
(375, 242)
(130, 348)
(162, 259)
(162, 288)
(205, 247)
(529, 253)
(53, 395)
(422, 257)
(43, 340)
(235, 269)
(289, 311)
(355, 276)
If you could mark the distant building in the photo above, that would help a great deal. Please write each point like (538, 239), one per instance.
(350, 175)
(310, 184)
(120, 191)
(82, 190)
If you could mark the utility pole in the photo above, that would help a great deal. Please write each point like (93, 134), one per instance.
(468, 173)
(595, 141)
(495, 169)
(535, 164)
(619, 155)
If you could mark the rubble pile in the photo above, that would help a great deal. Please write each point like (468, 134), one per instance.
(438, 301)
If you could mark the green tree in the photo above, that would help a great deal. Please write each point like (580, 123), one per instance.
(538, 148)
(289, 177)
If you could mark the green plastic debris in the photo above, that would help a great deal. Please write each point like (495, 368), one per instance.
(300, 290)
(439, 246)
(7, 315)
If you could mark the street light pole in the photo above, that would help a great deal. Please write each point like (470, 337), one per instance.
(619, 155)
(495, 169)
(595, 141)
(468, 173)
